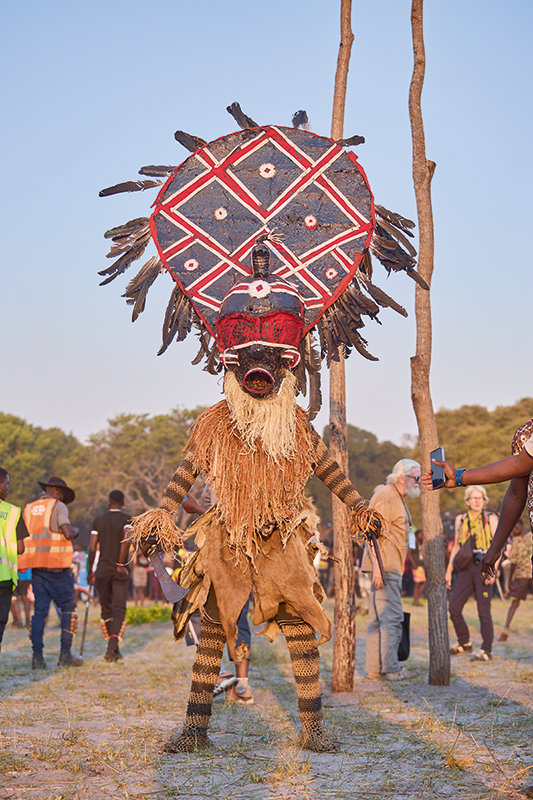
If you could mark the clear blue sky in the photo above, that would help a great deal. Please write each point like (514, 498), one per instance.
(91, 92)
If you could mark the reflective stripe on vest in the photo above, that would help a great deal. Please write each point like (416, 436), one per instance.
(9, 516)
(45, 549)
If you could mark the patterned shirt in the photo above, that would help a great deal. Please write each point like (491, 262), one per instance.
(520, 555)
(520, 438)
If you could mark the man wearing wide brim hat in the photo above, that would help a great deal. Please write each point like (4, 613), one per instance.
(49, 555)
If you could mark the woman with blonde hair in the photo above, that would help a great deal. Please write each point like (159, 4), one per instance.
(474, 530)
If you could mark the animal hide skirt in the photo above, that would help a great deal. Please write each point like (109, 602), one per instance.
(280, 575)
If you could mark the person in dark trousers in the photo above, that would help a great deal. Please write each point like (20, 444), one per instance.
(13, 531)
(110, 536)
(479, 525)
(520, 580)
(48, 553)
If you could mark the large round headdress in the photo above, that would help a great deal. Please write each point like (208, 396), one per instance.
(228, 198)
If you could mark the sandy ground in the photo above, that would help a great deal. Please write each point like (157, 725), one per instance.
(96, 732)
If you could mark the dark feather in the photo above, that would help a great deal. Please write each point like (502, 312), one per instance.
(169, 318)
(390, 252)
(213, 364)
(184, 319)
(418, 278)
(395, 219)
(315, 396)
(242, 120)
(156, 171)
(322, 338)
(332, 351)
(313, 357)
(300, 373)
(124, 262)
(353, 141)
(129, 186)
(353, 295)
(354, 338)
(127, 229)
(204, 336)
(131, 245)
(300, 118)
(138, 287)
(169, 322)
(338, 337)
(383, 299)
(348, 306)
(399, 236)
(366, 264)
(124, 244)
(360, 346)
(189, 142)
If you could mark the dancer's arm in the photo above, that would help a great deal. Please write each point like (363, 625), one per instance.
(512, 507)
(504, 470)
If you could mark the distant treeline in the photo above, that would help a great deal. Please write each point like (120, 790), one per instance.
(138, 454)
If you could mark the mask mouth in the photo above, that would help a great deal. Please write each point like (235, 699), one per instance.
(258, 382)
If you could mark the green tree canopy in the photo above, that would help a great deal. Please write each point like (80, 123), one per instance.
(136, 454)
(31, 454)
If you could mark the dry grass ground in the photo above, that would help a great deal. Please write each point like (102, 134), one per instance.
(96, 732)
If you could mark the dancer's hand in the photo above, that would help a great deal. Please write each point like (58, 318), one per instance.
(449, 474)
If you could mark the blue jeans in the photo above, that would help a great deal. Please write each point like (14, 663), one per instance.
(57, 586)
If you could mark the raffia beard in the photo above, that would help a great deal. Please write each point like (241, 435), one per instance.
(272, 420)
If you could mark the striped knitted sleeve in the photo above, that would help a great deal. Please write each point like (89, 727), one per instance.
(329, 471)
(180, 483)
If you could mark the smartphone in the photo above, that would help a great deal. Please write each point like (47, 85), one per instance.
(438, 478)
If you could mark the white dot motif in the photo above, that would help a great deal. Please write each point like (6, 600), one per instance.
(258, 289)
(220, 213)
(310, 222)
(331, 273)
(191, 265)
(267, 170)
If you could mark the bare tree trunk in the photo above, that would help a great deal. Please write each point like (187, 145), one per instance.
(439, 646)
(342, 674)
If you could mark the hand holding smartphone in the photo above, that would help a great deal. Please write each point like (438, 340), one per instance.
(438, 479)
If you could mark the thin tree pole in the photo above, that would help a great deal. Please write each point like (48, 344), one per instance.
(423, 170)
(342, 675)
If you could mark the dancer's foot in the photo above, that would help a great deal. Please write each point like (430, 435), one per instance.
(317, 741)
(191, 740)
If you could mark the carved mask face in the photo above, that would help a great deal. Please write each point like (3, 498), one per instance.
(261, 369)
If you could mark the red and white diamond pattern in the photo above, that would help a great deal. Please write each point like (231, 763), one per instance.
(201, 284)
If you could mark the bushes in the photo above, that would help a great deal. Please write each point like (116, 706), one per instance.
(137, 615)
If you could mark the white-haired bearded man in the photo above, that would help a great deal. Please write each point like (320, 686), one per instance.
(385, 616)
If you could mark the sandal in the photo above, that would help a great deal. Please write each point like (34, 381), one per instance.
(459, 649)
(224, 682)
(243, 696)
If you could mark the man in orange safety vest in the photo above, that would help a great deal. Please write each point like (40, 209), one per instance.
(49, 555)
